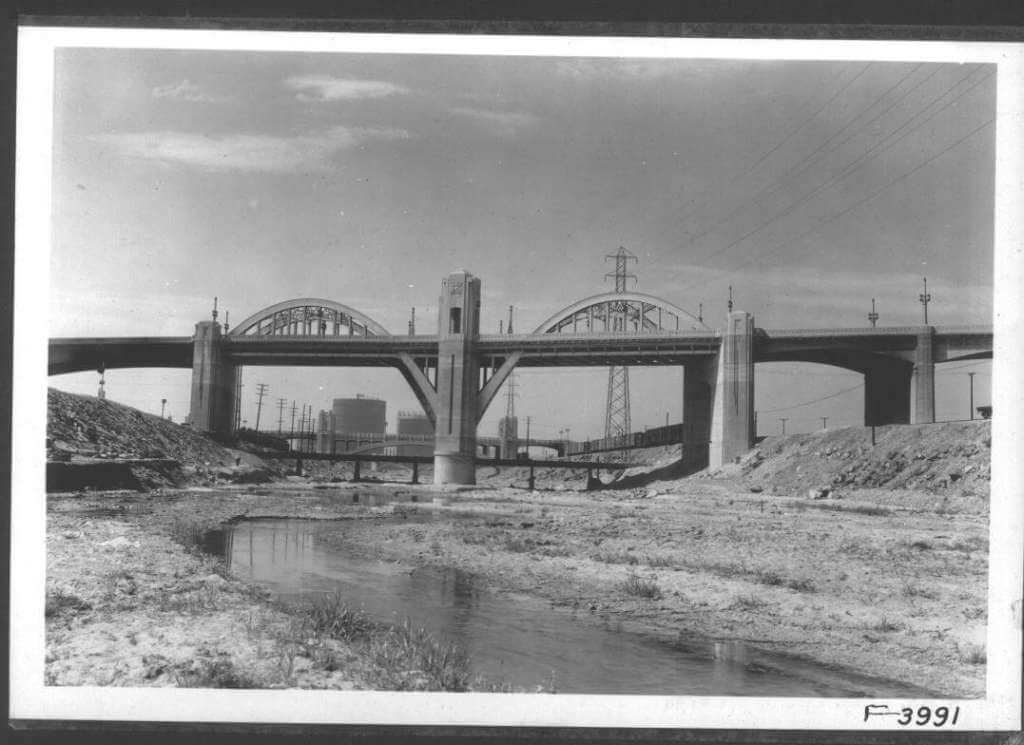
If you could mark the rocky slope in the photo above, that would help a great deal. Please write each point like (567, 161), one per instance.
(946, 459)
(102, 444)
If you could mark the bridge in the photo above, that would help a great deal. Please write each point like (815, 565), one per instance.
(456, 373)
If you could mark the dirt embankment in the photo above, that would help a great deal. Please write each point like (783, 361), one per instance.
(99, 444)
(951, 459)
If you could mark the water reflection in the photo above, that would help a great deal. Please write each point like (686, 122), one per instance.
(520, 640)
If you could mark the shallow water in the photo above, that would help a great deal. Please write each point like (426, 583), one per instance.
(520, 640)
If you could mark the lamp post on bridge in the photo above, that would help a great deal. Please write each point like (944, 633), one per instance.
(970, 375)
(924, 299)
(872, 316)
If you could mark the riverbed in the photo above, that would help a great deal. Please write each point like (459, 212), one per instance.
(752, 595)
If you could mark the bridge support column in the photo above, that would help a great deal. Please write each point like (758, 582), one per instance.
(212, 407)
(698, 391)
(887, 393)
(923, 382)
(732, 412)
(458, 368)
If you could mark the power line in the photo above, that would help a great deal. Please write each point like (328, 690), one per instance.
(814, 401)
(856, 163)
(786, 139)
(868, 198)
(851, 167)
(776, 183)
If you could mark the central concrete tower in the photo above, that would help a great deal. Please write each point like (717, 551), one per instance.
(458, 372)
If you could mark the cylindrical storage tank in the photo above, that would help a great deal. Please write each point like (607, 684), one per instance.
(359, 415)
(418, 425)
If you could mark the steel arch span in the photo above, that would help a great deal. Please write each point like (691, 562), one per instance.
(308, 316)
(621, 312)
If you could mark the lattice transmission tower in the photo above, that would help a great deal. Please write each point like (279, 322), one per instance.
(616, 417)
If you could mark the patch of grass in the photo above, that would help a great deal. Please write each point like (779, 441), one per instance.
(331, 616)
(973, 654)
(516, 545)
(748, 602)
(911, 590)
(658, 560)
(608, 556)
(859, 509)
(885, 625)
(58, 601)
(634, 584)
(800, 585)
(218, 672)
(410, 659)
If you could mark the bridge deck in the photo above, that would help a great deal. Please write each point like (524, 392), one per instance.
(429, 459)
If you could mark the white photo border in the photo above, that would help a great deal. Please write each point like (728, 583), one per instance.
(31, 700)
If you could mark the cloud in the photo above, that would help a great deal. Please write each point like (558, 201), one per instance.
(245, 152)
(503, 122)
(319, 88)
(186, 90)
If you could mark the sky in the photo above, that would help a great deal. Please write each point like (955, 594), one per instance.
(807, 187)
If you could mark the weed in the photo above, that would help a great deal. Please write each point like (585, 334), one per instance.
(973, 654)
(329, 615)
(911, 590)
(411, 659)
(516, 545)
(748, 602)
(800, 585)
(658, 560)
(189, 533)
(769, 577)
(608, 556)
(885, 625)
(644, 588)
(219, 672)
(59, 601)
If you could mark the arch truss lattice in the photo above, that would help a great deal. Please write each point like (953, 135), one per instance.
(308, 317)
(620, 312)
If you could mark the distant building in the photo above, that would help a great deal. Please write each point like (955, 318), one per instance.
(416, 424)
(354, 422)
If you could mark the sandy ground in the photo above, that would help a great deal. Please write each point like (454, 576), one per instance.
(890, 584)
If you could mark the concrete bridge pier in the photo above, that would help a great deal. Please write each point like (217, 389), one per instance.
(923, 381)
(887, 392)
(732, 411)
(698, 392)
(458, 368)
(212, 406)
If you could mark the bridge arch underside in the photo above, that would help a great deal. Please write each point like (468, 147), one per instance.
(82, 355)
(888, 380)
(308, 317)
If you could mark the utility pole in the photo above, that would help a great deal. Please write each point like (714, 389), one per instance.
(262, 389)
(971, 376)
(412, 323)
(280, 414)
(924, 298)
(527, 438)
(729, 305)
(616, 418)
(824, 422)
(700, 312)
(872, 316)
(783, 420)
